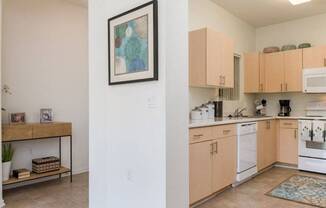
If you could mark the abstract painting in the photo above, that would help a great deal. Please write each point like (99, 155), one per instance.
(133, 50)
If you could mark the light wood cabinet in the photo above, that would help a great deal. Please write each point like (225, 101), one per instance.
(200, 170)
(288, 142)
(252, 73)
(212, 164)
(211, 59)
(293, 71)
(224, 162)
(266, 144)
(314, 57)
(274, 72)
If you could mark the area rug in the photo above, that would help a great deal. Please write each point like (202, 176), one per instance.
(302, 189)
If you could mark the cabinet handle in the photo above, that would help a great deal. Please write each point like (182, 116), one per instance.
(224, 80)
(287, 124)
(324, 61)
(226, 131)
(286, 87)
(281, 87)
(212, 148)
(295, 134)
(198, 136)
(268, 124)
(216, 147)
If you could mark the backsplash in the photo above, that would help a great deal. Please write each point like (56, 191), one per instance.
(199, 96)
(298, 104)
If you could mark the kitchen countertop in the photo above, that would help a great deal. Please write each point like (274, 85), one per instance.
(226, 120)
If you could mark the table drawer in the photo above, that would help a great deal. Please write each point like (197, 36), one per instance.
(51, 130)
(289, 124)
(16, 132)
(200, 134)
(224, 131)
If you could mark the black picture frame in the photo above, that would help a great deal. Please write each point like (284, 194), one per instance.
(155, 77)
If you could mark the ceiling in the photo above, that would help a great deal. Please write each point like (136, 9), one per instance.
(266, 12)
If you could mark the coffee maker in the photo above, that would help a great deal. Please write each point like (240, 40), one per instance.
(285, 108)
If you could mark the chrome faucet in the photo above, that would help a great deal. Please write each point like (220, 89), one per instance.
(238, 112)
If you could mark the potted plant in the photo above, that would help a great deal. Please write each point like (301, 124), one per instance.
(7, 154)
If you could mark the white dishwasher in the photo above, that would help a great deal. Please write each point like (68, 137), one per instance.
(247, 150)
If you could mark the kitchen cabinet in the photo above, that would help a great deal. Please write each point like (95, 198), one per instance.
(288, 142)
(266, 144)
(211, 59)
(274, 72)
(224, 162)
(292, 71)
(254, 73)
(274, 68)
(314, 57)
(212, 164)
(200, 170)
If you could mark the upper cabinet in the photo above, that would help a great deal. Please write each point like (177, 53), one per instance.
(314, 57)
(274, 72)
(254, 78)
(211, 59)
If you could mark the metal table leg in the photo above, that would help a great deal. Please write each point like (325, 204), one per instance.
(70, 158)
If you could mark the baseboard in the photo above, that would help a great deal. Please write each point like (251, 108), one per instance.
(285, 165)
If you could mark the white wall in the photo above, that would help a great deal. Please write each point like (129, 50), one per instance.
(205, 13)
(138, 154)
(45, 63)
(1, 196)
(310, 29)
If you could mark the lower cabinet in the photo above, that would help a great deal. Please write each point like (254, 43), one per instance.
(224, 162)
(288, 142)
(266, 144)
(200, 170)
(212, 166)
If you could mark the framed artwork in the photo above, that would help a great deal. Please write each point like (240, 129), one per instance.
(133, 45)
(46, 115)
(17, 118)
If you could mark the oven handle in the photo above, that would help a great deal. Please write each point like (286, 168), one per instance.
(311, 134)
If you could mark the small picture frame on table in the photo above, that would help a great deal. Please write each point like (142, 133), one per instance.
(46, 115)
(17, 118)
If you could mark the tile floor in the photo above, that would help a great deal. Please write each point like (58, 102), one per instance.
(51, 194)
(62, 194)
(252, 193)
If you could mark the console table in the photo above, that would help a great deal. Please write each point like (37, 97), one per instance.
(38, 131)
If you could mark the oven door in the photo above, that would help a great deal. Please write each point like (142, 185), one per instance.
(314, 80)
(312, 149)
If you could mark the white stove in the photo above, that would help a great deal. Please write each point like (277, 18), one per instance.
(312, 139)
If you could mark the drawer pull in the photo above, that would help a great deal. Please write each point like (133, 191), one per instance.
(288, 124)
(226, 131)
(198, 135)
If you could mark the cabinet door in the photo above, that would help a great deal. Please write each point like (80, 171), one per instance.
(288, 146)
(228, 62)
(270, 144)
(314, 57)
(224, 162)
(214, 75)
(200, 170)
(252, 74)
(197, 58)
(266, 144)
(293, 71)
(274, 72)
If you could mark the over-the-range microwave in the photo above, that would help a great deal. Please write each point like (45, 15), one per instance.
(314, 80)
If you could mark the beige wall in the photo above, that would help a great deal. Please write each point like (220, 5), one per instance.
(45, 63)
(205, 13)
(312, 30)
